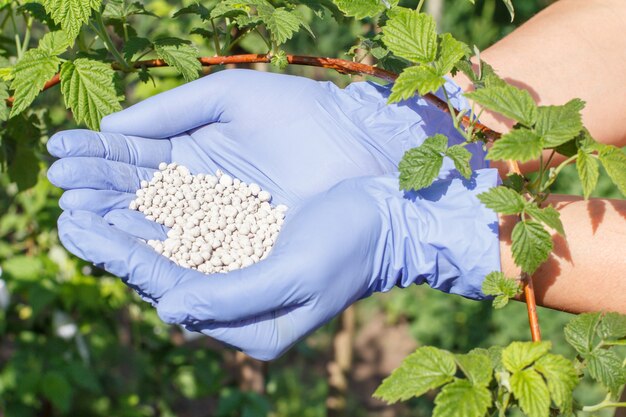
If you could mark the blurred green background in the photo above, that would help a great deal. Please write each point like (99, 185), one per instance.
(74, 341)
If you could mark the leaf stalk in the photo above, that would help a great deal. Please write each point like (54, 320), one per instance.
(604, 404)
(101, 30)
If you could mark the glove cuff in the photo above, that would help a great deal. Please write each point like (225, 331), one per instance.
(442, 235)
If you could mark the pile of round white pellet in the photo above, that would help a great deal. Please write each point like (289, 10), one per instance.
(217, 223)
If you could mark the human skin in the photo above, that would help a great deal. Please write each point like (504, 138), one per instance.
(573, 48)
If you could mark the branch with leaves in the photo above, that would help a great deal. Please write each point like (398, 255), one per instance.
(523, 374)
(488, 382)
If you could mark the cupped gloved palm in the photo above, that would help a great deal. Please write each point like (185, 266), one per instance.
(360, 236)
(292, 135)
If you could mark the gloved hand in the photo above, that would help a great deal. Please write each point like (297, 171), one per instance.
(360, 236)
(293, 136)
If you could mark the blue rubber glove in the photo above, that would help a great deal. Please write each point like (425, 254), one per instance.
(358, 237)
(293, 136)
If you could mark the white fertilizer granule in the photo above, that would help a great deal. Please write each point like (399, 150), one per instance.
(217, 223)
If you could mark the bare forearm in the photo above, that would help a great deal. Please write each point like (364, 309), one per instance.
(574, 48)
(588, 271)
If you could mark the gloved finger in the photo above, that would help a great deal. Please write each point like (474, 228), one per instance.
(368, 92)
(136, 224)
(91, 238)
(184, 108)
(237, 295)
(263, 337)
(98, 174)
(112, 146)
(96, 201)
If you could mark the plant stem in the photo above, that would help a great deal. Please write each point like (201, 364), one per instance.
(550, 158)
(619, 342)
(124, 26)
(556, 172)
(18, 40)
(29, 23)
(505, 404)
(237, 40)
(108, 43)
(452, 110)
(144, 54)
(542, 170)
(216, 40)
(419, 6)
(604, 404)
(4, 21)
(267, 42)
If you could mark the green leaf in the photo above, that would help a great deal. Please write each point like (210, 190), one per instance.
(38, 12)
(476, 365)
(135, 45)
(23, 268)
(462, 399)
(510, 8)
(425, 369)
(501, 287)
(280, 60)
(532, 245)
(121, 9)
(55, 43)
(393, 63)
(465, 66)
(420, 166)
(436, 143)
(24, 167)
(451, 51)
(515, 182)
(562, 378)
(206, 34)
(558, 124)
(569, 148)
(512, 102)
(519, 355)
(71, 14)
(461, 158)
(612, 326)
(587, 143)
(547, 215)
(195, 8)
(180, 55)
(360, 9)
(588, 172)
(40, 297)
(580, 331)
(239, 9)
(4, 108)
(503, 200)
(56, 388)
(519, 144)
(30, 75)
(282, 24)
(422, 78)
(495, 354)
(88, 89)
(613, 160)
(489, 77)
(83, 376)
(531, 392)
(411, 35)
(21, 147)
(6, 73)
(606, 367)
